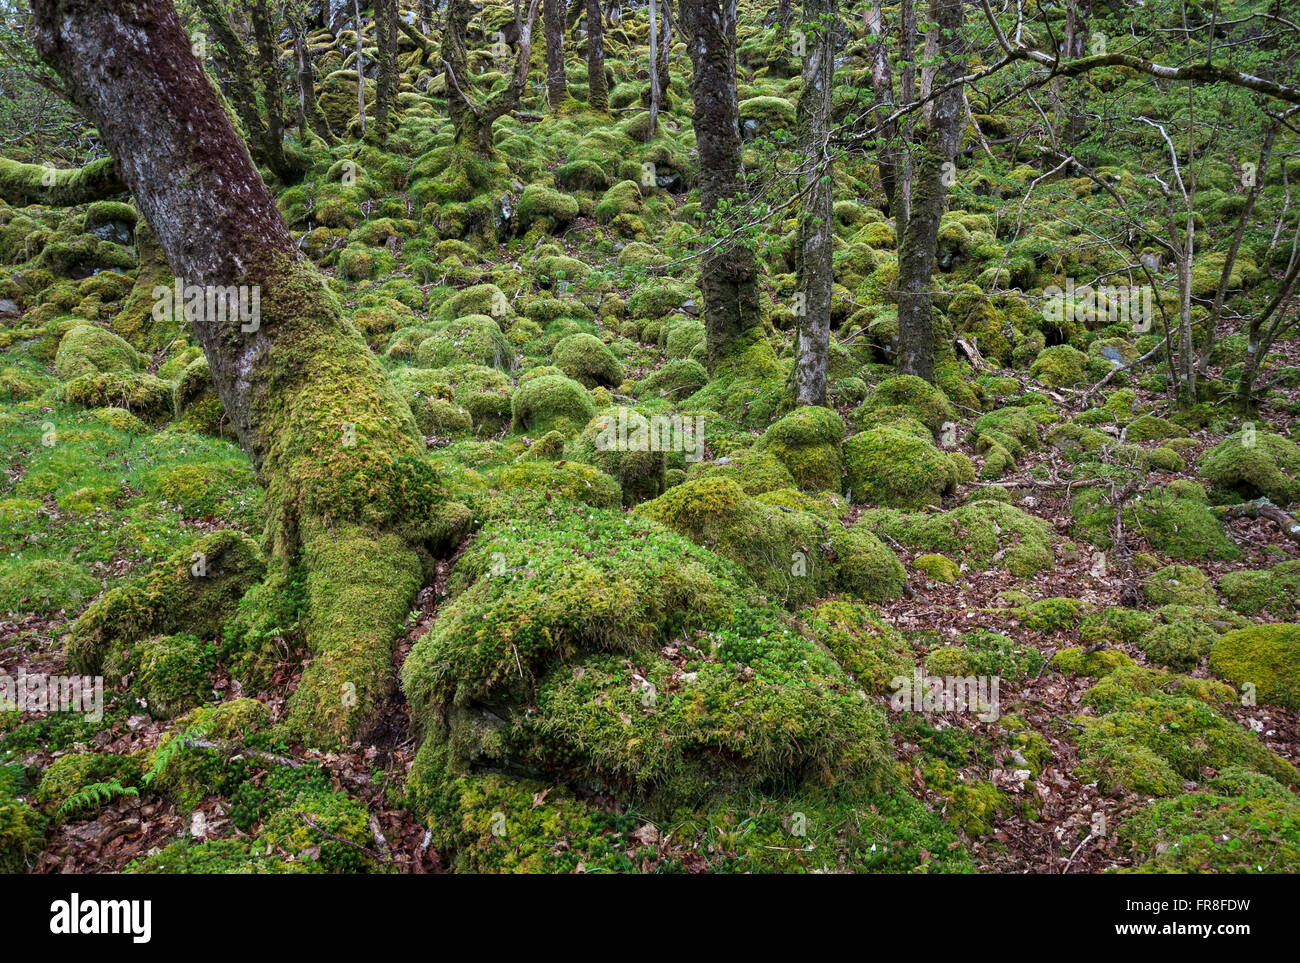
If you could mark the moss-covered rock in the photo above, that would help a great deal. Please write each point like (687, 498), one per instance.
(45, 585)
(1274, 591)
(894, 468)
(1254, 464)
(807, 443)
(1179, 585)
(587, 360)
(88, 349)
(1264, 656)
(983, 534)
(921, 399)
(551, 402)
(1060, 366)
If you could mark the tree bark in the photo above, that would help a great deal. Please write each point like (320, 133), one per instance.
(816, 241)
(297, 380)
(386, 43)
(932, 164)
(557, 86)
(361, 68)
(654, 70)
(598, 89)
(728, 273)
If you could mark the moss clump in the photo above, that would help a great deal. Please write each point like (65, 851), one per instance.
(1274, 591)
(45, 585)
(561, 628)
(1165, 459)
(640, 473)
(69, 774)
(1051, 615)
(1179, 585)
(137, 392)
(214, 856)
(678, 379)
(475, 339)
(172, 673)
(1214, 832)
(87, 349)
(1175, 520)
(938, 567)
(756, 472)
(572, 480)
(1179, 644)
(1081, 662)
(544, 207)
(194, 590)
(586, 359)
(551, 402)
(863, 643)
(793, 556)
(318, 828)
(194, 398)
(1265, 656)
(807, 442)
(21, 834)
(1268, 467)
(622, 198)
(1060, 366)
(768, 114)
(922, 400)
(1014, 429)
(890, 467)
(983, 534)
(1148, 740)
(1153, 428)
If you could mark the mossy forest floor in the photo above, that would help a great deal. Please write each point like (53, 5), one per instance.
(636, 661)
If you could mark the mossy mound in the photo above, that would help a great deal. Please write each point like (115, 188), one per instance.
(983, 534)
(1179, 585)
(552, 656)
(1060, 366)
(1264, 656)
(863, 643)
(572, 480)
(587, 360)
(807, 443)
(638, 466)
(894, 468)
(793, 556)
(474, 339)
(921, 399)
(1175, 520)
(45, 585)
(1253, 465)
(551, 402)
(1274, 591)
(88, 349)
(1180, 644)
(194, 591)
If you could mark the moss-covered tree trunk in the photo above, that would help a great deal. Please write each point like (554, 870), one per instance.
(23, 184)
(933, 167)
(728, 273)
(308, 106)
(816, 241)
(654, 69)
(349, 495)
(598, 95)
(557, 86)
(386, 44)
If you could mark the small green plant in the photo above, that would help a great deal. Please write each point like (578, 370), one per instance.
(95, 794)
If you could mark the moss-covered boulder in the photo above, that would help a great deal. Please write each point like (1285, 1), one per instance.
(474, 339)
(1254, 464)
(1060, 366)
(88, 349)
(894, 468)
(983, 534)
(551, 402)
(44, 585)
(1264, 656)
(193, 590)
(807, 443)
(1274, 591)
(1179, 585)
(586, 359)
(922, 400)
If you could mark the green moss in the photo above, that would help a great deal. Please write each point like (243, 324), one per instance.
(938, 567)
(769, 113)
(87, 349)
(474, 339)
(21, 834)
(1051, 615)
(676, 380)
(1180, 644)
(1255, 464)
(1265, 656)
(586, 359)
(69, 774)
(213, 856)
(1060, 366)
(863, 643)
(1174, 520)
(572, 480)
(807, 443)
(983, 534)
(639, 473)
(791, 555)
(923, 400)
(890, 467)
(143, 394)
(172, 596)
(756, 472)
(1075, 662)
(44, 585)
(551, 402)
(172, 673)
(1153, 428)
(1165, 459)
(1211, 833)
(1273, 591)
(1179, 585)
(544, 205)
(622, 198)
(330, 829)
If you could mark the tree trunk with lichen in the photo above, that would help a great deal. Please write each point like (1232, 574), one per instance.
(728, 272)
(932, 164)
(386, 44)
(816, 241)
(349, 495)
(598, 90)
(557, 86)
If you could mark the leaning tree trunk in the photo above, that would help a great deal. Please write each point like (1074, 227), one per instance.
(349, 495)
(816, 241)
(933, 168)
(728, 273)
(598, 90)
(557, 86)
